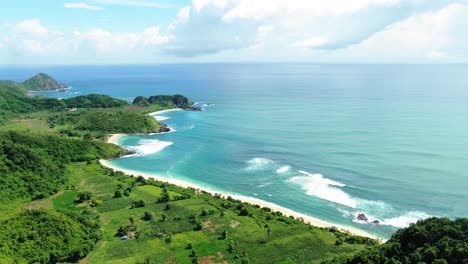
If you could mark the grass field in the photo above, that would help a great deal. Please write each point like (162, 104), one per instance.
(258, 237)
(170, 224)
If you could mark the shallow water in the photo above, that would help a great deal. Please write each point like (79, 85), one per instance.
(328, 141)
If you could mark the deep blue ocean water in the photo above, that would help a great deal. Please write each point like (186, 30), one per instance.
(329, 141)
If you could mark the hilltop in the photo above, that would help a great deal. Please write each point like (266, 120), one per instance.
(42, 82)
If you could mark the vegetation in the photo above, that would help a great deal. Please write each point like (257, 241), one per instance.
(108, 122)
(169, 101)
(47, 236)
(434, 240)
(41, 82)
(13, 100)
(94, 101)
(141, 101)
(33, 166)
(58, 204)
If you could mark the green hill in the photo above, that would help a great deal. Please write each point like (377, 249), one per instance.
(32, 166)
(94, 101)
(169, 101)
(434, 240)
(42, 82)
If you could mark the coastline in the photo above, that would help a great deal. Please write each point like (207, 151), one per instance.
(113, 139)
(163, 111)
(288, 212)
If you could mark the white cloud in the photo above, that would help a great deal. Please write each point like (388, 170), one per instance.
(83, 6)
(31, 38)
(182, 16)
(282, 30)
(102, 41)
(32, 28)
(136, 3)
(210, 26)
(311, 43)
(433, 35)
(262, 9)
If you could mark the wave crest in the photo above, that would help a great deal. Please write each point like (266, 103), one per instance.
(150, 146)
(259, 164)
(323, 188)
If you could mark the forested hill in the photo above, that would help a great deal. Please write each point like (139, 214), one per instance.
(170, 101)
(42, 82)
(434, 240)
(32, 166)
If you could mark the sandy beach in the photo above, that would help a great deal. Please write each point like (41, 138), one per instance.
(113, 139)
(163, 111)
(308, 219)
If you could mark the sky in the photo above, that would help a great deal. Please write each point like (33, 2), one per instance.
(56, 32)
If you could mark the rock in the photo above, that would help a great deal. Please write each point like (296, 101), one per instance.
(164, 129)
(362, 217)
(195, 109)
(376, 222)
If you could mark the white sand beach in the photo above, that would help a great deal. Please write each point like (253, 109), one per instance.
(113, 139)
(308, 219)
(163, 111)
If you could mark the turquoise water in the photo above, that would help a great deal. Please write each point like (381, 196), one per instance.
(329, 141)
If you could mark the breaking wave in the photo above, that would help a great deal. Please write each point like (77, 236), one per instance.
(161, 118)
(150, 146)
(323, 188)
(259, 164)
(283, 169)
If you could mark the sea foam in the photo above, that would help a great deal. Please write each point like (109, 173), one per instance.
(161, 118)
(323, 188)
(150, 146)
(259, 164)
(283, 169)
(405, 219)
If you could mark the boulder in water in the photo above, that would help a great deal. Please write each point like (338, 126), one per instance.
(362, 217)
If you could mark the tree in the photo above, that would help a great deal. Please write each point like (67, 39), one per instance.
(117, 194)
(224, 234)
(244, 212)
(84, 196)
(148, 216)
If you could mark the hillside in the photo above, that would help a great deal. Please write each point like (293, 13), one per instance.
(434, 240)
(42, 82)
(169, 101)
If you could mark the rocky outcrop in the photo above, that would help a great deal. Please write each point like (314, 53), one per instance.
(164, 129)
(362, 217)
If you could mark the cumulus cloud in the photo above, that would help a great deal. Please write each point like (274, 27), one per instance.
(83, 6)
(432, 36)
(102, 41)
(199, 29)
(31, 37)
(210, 26)
(320, 30)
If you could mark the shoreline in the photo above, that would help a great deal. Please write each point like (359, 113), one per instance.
(113, 139)
(288, 212)
(163, 111)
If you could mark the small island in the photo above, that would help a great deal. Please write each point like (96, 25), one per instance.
(43, 82)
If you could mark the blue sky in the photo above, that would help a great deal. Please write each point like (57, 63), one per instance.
(178, 31)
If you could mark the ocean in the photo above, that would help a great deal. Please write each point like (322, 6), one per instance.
(328, 141)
